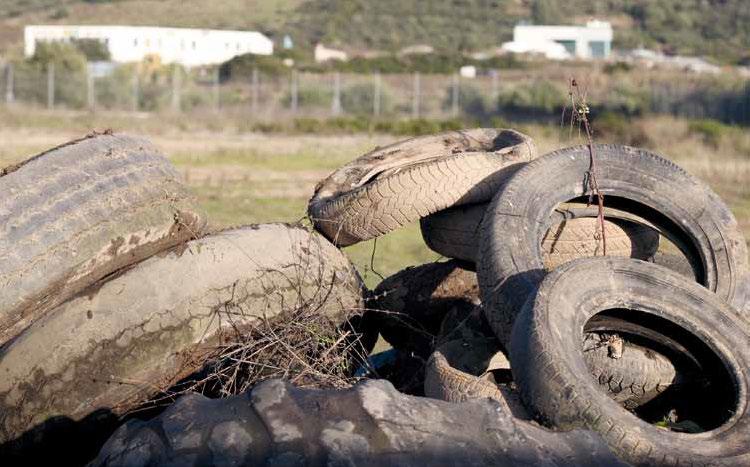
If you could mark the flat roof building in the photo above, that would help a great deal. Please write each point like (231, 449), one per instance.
(585, 42)
(188, 47)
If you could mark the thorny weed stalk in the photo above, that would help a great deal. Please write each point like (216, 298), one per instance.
(579, 117)
(305, 344)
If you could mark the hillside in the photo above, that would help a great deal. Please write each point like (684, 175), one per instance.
(717, 28)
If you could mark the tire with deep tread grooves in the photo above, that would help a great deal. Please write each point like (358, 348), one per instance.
(392, 186)
(460, 370)
(76, 213)
(547, 358)
(633, 180)
(136, 334)
(636, 377)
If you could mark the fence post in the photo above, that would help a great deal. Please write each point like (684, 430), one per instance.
(217, 91)
(50, 85)
(90, 91)
(495, 92)
(136, 91)
(176, 91)
(336, 104)
(454, 95)
(9, 85)
(376, 95)
(255, 91)
(415, 97)
(294, 91)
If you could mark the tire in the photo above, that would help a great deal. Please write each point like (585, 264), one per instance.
(455, 233)
(398, 184)
(159, 321)
(410, 305)
(636, 377)
(77, 213)
(547, 360)
(461, 370)
(677, 263)
(634, 181)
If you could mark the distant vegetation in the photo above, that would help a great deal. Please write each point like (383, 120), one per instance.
(716, 28)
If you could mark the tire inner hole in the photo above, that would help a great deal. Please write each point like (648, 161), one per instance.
(703, 394)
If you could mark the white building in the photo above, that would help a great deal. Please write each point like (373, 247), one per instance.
(325, 54)
(558, 42)
(188, 47)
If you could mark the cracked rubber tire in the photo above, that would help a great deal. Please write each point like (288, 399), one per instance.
(634, 181)
(454, 233)
(78, 212)
(398, 184)
(136, 334)
(547, 359)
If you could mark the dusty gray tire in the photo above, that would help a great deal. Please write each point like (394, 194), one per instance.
(547, 359)
(461, 370)
(454, 233)
(370, 424)
(634, 376)
(410, 305)
(137, 334)
(76, 213)
(398, 184)
(635, 181)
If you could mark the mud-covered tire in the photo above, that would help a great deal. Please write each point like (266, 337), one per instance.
(78, 212)
(454, 233)
(635, 181)
(410, 305)
(547, 358)
(401, 183)
(134, 335)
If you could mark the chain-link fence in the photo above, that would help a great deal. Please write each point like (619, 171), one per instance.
(515, 94)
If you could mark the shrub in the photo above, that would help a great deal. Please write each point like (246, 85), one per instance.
(359, 99)
(470, 100)
(540, 97)
(310, 96)
(711, 131)
(612, 127)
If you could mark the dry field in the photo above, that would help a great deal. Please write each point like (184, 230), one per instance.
(249, 177)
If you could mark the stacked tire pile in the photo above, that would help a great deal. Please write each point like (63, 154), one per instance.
(618, 331)
(113, 289)
(632, 325)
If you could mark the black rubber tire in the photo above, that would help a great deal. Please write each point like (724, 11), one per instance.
(410, 305)
(76, 213)
(122, 341)
(401, 183)
(547, 359)
(633, 180)
(455, 233)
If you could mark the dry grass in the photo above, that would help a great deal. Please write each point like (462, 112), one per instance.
(243, 178)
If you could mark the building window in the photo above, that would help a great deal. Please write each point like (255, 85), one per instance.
(135, 42)
(570, 46)
(193, 45)
(598, 49)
